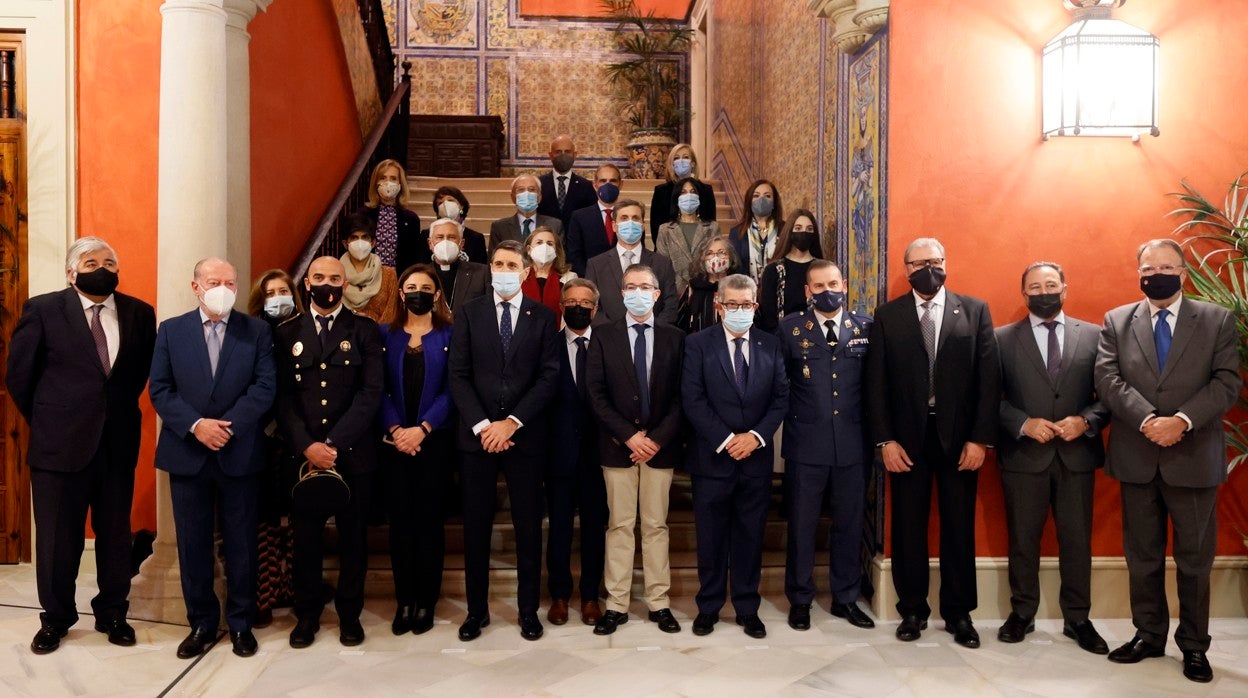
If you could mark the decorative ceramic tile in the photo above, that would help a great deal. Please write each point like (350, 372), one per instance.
(390, 10)
(444, 86)
(441, 23)
(591, 118)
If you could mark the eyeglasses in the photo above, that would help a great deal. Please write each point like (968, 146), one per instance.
(640, 287)
(1148, 270)
(588, 305)
(720, 253)
(730, 305)
(920, 263)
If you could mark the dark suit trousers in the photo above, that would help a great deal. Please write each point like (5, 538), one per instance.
(1028, 497)
(60, 503)
(585, 491)
(730, 515)
(846, 491)
(912, 503)
(352, 524)
(1193, 513)
(196, 499)
(415, 487)
(524, 490)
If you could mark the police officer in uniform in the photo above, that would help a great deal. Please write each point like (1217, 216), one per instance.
(824, 448)
(331, 374)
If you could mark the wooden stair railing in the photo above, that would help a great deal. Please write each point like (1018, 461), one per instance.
(374, 20)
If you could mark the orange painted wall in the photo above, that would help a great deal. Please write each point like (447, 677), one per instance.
(966, 165)
(670, 9)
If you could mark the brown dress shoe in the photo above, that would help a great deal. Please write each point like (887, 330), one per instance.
(591, 612)
(558, 613)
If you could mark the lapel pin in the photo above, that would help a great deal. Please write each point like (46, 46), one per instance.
(848, 323)
(297, 349)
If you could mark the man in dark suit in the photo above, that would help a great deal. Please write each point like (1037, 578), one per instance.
(932, 398)
(824, 447)
(213, 380)
(564, 191)
(574, 475)
(634, 386)
(735, 393)
(526, 194)
(78, 361)
(331, 373)
(1050, 448)
(591, 229)
(461, 280)
(1168, 369)
(607, 269)
(503, 372)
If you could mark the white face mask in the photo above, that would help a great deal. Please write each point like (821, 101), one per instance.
(446, 252)
(360, 249)
(542, 253)
(450, 209)
(388, 190)
(219, 300)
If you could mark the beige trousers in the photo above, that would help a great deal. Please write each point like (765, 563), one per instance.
(643, 489)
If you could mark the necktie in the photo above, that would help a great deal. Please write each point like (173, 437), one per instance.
(101, 341)
(322, 328)
(628, 259)
(831, 335)
(1054, 360)
(739, 367)
(214, 345)
(639, 363)
(581, 355)
(927, 324)
(504, 326)
(562, 192)
(1161, 335)
(609, 224)
(528, 227)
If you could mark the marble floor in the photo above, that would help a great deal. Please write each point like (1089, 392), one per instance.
(831, 659)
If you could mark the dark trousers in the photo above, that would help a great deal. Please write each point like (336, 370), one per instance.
(415, 486)
(912, 504)
(1028, 498)
(730, 515)
(1193, 513)
(845, 488)
(352, 524)
(583, 490)
(524, 490)
(196, 500)
(61, 501)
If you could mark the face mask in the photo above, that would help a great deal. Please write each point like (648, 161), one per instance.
(418, 302)
(1045, 305)
(527, 201)
(927, 280)
(762, 206)
(803, 241)
(739, 321)
(716, 265)
(829, 301)
(446, 251)
(98, 282)
(628, 231)
(639, 302)
(577, 317)
(689, 203)
(608, 193)
(506, 283)
(1159, 287)
(388, 190)
(681, 167)
(218, 300)
(450, 209)
(279, 306)
(359, 249)
(326, 297)
(542, 253)
(563, 162)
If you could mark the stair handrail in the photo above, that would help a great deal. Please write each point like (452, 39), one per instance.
(373, 17)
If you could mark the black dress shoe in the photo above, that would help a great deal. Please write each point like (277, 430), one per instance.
(704, 623)
(963, 632)
(1015, 628)
(471, 629)
(753, 626)
(1087, 637)
(666, 621)
(530, 626)
(119, 631)
(422, 622)
(402, 622)
(853, 614)
(48, 639)
(799, 616)
(350, 632)
(1134, 651)
(910, 629)
(304, 632)
(244, 643)
(1196, 666)
(194, 644)
(609, 622)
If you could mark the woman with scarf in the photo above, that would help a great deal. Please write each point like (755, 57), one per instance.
(370, 285)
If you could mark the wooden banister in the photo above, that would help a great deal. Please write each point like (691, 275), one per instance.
(374, 20)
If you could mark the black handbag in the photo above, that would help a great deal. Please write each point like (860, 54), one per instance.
(319, 493)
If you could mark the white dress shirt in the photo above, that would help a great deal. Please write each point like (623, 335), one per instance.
(620, 249)
(732, 357)
(316, 324)
(835, 318)
(515, 322)
(220, 330)
(109, 321)
(1041, 333)
(521, 218)
(938, 310)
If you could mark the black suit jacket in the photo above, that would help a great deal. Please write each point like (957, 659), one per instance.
(572, 424)
(586, 237)
(967, 376)
(58, 384)
(580, 194)
(661, 205)
(605, 271)
(472, 280)
(408, 248)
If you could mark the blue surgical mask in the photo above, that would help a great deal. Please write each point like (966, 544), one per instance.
(829, 301)
(681, 167)
(639, 302)
(739, 321)
(689, 203)
(505, 283)
(527, 201)
(279, 306)
(762, 206)
(629, 231)
(608, 193)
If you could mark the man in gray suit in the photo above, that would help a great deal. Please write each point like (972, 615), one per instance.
(526, 194)
(1050, 447)
(607, 269)
(1168, 369)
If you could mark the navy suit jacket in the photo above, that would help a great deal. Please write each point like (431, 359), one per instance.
(579, 195)
(435, 393)
(184, 390)
(585, 237)
(572, 423)
(717, 411)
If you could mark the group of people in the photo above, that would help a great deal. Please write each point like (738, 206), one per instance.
(586, 367)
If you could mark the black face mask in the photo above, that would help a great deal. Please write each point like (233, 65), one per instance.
(563, 162)
(1045, 305)
(325, 296)
(418, 302)
(1158, 287)
(828, 302)
(927, 280)
(99, 282)
(803, 241)
(577, 317)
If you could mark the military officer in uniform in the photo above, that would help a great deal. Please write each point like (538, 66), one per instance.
(330, 379)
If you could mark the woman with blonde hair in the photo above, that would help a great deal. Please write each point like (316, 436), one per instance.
(550, 269)
(397, 226)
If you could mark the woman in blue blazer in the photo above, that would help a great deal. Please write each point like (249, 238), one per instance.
(415, 411)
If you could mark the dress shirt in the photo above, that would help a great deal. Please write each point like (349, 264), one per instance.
(621, 249)
(938, 310)
(834, 317)
(1172, 320)
(316, 324)
(630, 321)
(570, 337)
(745, 352)
(204, 320)
(108, 319)
(521, 218)
(515, 322)
(1041, 334)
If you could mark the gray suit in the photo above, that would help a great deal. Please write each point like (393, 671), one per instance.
(508, 228)
(1200, 380)
(1059, 474)
(605, 271)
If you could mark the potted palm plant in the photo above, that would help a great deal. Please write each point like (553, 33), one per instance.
(647, 85)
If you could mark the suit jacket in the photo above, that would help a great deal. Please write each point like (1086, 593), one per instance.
(488, 384)
(586, 237)
(605, 271)
(662, 206)
(613, 392)
(1027, 391)
(709, 393)
(474, 247)
(1201, 380)
(967, 376)
(579, 195)
(824, 423)
(508, 228)
(331, 395)
(472, 280)
(572, 423)
(671, 244)
(435, 394)
(410, 243)
(56, 380)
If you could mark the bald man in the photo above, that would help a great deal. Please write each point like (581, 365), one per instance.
(564, 191)
(526, 194)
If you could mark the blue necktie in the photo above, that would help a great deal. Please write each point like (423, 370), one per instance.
(1161, 336)
(639, 363)
(504, 326)
(739, 366)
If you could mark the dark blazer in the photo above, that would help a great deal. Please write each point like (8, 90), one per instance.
(824, 424)
(1027, 391)
(435, 394)
(604, 270)
(709, 393)
(410, 243)
(572, 424)
(488, 384)
(508, 228)
(661, 205)
(183, 390)
(1201, 380)
(580, 194)
(331, 395)
(742, 246)
(613, 392)
(968, 376)
(586, 237)
(474, 247)
(58, 384)
(472, 280)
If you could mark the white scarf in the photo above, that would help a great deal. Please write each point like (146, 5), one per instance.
(361, 285)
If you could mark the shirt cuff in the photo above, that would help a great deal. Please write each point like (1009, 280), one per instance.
(515, 419)
(724, 445)
(762, 443)
(480, 427)
(195, 424)
(1146, 420)
(1185, 418)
